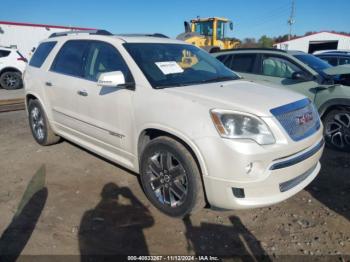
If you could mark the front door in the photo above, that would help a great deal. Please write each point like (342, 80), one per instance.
(106, 112)
(279, 70)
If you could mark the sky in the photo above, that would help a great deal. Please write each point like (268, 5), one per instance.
(252, 18)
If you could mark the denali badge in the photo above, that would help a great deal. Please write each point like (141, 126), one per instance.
(305, 118)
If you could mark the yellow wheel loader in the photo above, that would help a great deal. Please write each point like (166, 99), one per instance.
(209, 34)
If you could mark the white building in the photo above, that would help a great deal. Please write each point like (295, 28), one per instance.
(26, 36)
(317, 41)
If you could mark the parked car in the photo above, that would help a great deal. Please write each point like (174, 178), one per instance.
(12, 65)
(194, 131)
(336, 58)
(303, 73)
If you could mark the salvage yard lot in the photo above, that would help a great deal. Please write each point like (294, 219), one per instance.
(92, 206)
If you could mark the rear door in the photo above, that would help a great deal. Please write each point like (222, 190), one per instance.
(63, 81)
(243, 63)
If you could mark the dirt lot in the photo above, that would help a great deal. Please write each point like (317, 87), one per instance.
(90, 206)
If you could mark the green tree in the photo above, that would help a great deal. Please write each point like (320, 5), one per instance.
(265, 42)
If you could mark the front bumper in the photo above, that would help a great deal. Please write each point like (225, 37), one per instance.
(275, 173)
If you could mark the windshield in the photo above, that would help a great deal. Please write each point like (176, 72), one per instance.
(204, 28)
(314, 62)
(170, 65)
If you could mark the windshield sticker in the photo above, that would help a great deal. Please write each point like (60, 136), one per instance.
(170, 67)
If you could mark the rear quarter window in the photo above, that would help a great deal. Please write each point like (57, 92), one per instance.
(41, 54)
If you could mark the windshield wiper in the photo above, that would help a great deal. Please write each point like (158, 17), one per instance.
(219, 79)
(173, 85)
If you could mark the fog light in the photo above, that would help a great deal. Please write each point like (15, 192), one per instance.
(249, 168)
(238, 192)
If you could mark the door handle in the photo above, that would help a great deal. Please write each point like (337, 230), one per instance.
(48, 83)
(82, 93)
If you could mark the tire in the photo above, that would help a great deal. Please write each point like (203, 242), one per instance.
(11, 80)
(214, 50)
(172, 184)
(337, 129)
(39, 125)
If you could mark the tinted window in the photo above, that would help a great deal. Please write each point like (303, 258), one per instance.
(4, 53)
(41, 54)
(69, 59)
(314, 62)
(330, 60)
(243, 63)
(103, 58)
(278, 67)
(344, 61)
(226, 60)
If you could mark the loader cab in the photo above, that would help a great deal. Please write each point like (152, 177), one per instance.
(214, 28)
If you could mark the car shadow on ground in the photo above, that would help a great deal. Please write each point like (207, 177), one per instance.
(16, 235)
(224, 241)
(332, 186)
(115, 225)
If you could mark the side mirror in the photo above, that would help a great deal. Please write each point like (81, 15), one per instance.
(231, 25)
(111, 79)
(300, 76)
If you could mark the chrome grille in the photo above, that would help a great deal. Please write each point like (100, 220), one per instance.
(300, 119)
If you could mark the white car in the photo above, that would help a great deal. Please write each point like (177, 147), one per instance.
(12, 65)
(195, 132)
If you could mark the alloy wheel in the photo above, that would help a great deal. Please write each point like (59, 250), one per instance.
(167, 178)
(37, 123)
(11, 81)
(338, 130)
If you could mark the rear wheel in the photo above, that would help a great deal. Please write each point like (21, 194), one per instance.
(337, 129)
(11, 80)
(39, 125)
(171, 178)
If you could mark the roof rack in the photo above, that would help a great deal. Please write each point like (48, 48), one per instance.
(252, 49)
(150, 35)
(91, 32)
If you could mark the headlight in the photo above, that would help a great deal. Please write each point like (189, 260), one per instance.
(239, 125)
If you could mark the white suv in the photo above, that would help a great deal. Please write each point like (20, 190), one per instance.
(195, 132)
(12, 65)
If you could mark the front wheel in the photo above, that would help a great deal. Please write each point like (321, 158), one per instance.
(337, 129)
(11, 80)
(171, 178)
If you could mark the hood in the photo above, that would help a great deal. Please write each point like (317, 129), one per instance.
(337, 70)
(239, 95)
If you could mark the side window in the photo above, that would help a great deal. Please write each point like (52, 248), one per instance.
(4, 53)
(330, 60)
(344, 61)
(243, 63)
(102, 58)
(278, 67)
(225, 59)
(41, 53)
(70, 58)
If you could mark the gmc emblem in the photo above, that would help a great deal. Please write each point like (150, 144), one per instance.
(305, 118)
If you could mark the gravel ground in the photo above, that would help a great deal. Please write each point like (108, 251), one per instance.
(64, 200)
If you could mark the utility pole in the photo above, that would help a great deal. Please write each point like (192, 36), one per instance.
(291, 20)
